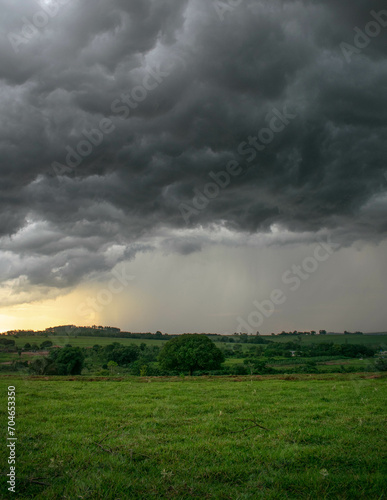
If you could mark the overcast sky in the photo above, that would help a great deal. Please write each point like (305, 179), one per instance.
(165, 164)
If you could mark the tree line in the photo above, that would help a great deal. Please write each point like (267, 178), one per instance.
(187, 354)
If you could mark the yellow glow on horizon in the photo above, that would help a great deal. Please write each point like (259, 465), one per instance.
(40, 315)
(71, 309)
(6, 322)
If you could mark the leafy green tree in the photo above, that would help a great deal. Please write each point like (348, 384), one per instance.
(190, 352)
(68, 361)
(39, 366)
(110, 347)
(124, 355)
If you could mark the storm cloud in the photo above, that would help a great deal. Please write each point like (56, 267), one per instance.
(132, 125)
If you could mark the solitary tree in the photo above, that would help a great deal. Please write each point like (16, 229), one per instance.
(190, 352)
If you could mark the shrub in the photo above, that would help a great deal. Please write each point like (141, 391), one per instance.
(381, 364)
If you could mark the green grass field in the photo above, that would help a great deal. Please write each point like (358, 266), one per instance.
(295, 437)
(360, 364)
(369, 340)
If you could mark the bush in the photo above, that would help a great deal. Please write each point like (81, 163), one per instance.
(8, 368)
(148, 369)
(381, 364)
(239, 370)
(7, 342)
(45, 344)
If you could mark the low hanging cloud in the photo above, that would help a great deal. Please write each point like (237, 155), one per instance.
(121, 121)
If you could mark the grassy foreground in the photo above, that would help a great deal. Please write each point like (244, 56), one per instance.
(295, 437)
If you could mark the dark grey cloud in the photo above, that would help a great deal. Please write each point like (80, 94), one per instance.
(183, 92)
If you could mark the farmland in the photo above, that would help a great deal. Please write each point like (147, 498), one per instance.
(309, 430)
(241, 356)
(293, 437)
(369, 340)
(84, 341)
